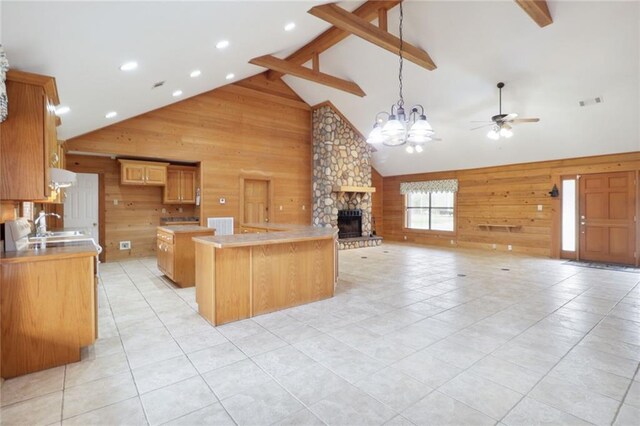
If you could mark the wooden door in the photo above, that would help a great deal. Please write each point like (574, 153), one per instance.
(607, 217)
(256, 201)
(172, 189)
(188, 186)
(156, 175)
(81, 207)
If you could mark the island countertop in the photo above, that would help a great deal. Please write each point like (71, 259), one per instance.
(60, 250)
(177, 229)
(276, 234)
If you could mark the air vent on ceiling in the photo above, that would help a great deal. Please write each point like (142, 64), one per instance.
(591, 101)
(158, 84)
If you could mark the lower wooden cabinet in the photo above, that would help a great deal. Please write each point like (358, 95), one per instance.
(176, 252)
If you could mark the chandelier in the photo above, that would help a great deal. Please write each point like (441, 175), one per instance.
(396, 128)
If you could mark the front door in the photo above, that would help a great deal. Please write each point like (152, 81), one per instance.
(256, 201)
(81, 204)
(607, 217)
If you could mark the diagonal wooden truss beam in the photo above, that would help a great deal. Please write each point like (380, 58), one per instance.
(538, 10)
(368, 11)
(286, 67)
(355, 25)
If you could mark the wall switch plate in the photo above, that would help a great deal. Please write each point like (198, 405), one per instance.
(304, 207)
(494, 246)
(115, 202)
(405, 237)
(180, 209)
(539, 207)
(223, 200)
(509, 247)
(452, 242)
(125, 245)
(164, 210)
(280, 208)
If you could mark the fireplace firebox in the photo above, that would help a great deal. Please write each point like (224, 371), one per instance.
(349, 223)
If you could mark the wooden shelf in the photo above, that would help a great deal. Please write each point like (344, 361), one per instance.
(489, 226)
(342, 188)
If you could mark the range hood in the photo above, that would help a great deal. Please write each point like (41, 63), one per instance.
(60, 178)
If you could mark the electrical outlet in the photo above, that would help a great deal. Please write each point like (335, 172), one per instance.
(280, 208)
(164, 210)
(405, 237)
(125, 245)
(115, 202)
(494, 246)
(509, 247)
(452, 242)
(304, 207)
(539, 207)
(180, 209)
(222, 200)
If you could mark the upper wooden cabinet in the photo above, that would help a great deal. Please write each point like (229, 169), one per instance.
(134, 172)
(181, 185)
(28, 139)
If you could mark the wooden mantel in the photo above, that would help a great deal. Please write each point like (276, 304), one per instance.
(356, 189)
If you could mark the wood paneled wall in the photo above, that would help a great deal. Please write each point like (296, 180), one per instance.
(503, 195)
(377, 200)
(255, 127)
(137, 213)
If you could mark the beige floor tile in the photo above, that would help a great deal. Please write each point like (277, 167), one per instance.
(235, 378)
(193, 342)
(534, 413)
(352, 407)
(153, 353)
(176, 400)
(628, 416)
(215, 357)
(213, 414)
(32, 385)
(42, 410)
(283, 361)
(506, 374)
(394, 388)
(427, 369)
(266, 403)
(259, 343)
(313, 383)
(128, 412)
(300, 418)
(93, 369)
(439, 409)
(97, 394)
(163, 373)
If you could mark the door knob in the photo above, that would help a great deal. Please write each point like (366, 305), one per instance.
(583, 223)
(95, 224)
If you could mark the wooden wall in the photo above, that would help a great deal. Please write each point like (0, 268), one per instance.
(505, 194)
(137, 213)
(377, 200)
(255, 127)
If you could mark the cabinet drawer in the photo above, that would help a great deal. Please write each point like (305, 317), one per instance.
(165, 237)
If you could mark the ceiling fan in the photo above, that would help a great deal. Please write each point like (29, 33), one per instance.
(501, 123)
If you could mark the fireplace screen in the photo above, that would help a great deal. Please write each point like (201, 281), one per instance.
(349, 223)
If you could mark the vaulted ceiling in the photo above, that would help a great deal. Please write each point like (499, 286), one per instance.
(592, 49)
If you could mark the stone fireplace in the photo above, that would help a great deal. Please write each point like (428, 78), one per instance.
(341, 177)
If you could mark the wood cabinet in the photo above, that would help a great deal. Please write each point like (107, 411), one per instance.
(150, 173)
(28, 139)
(181, 185)
(48, 307)
(251, 230)
(176, 252)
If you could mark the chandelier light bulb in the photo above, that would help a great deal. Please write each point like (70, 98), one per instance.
(418, 149)
(421, 127)
(394, 128)
(376, 136)
(409, 149)
(505, 132)
(493, 134)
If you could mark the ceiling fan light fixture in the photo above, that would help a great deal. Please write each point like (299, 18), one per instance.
(419, 149)
(409, 149)
(494, 134)
(506, 132)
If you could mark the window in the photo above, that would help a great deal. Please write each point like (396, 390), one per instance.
(430, 210)
(569, 215)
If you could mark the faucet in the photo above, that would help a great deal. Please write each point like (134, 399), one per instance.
(41, 222)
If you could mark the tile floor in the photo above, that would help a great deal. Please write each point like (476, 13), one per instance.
(414, 335)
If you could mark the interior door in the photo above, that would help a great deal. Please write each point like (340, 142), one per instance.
(607, 217)
(256, 201)
(81, 204)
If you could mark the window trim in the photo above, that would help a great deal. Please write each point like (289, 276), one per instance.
(431, 231)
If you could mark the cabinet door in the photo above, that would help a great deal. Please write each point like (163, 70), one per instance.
(169, 270)
(172, 189)
(132, 174)
(156, 175)
(188, 186)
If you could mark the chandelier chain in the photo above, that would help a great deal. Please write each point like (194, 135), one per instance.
(401, 100)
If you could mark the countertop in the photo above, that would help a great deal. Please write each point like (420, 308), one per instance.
(279, 233)
(54, 251)
(184, 229)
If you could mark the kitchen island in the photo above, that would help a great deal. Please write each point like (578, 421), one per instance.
(176, 252)
(48, 306)
(275, 267)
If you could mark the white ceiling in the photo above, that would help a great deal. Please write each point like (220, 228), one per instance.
(592, 49)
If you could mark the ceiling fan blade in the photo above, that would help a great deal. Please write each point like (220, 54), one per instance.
(525, 120)
(509, 117)
(486, 125)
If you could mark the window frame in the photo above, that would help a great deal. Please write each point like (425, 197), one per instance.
(406, 208)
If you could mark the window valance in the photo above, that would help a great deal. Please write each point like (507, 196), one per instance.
(444, 185)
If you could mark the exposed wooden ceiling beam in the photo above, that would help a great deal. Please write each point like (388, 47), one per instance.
(286, 67)
(537, 10)
(362, 28)
(331, 37)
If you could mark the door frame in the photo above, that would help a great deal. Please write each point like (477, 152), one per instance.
(255, 176)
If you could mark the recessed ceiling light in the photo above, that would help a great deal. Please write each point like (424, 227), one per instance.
(62, 110)
(111, 114)
(290, 26)
(230, 76)
(195, 73)
(129, 66)
(177, 93)
(222, 44)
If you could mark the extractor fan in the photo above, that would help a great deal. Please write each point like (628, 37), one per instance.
(501, 123)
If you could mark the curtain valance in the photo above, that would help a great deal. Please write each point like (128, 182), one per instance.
(445, 185)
